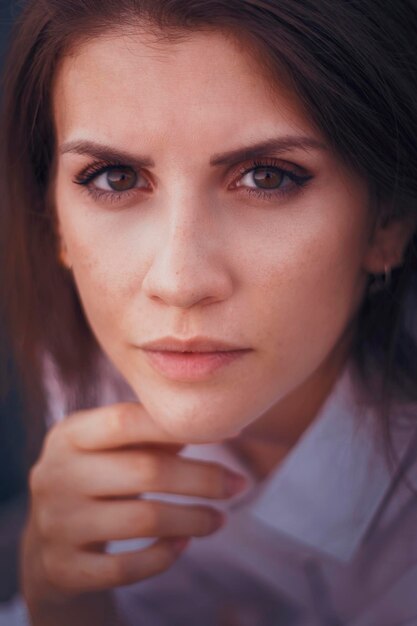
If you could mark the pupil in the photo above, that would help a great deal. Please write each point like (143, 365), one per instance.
(268, 177)
(121, 179)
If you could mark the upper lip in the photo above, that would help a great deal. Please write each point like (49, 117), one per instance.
(195, 344)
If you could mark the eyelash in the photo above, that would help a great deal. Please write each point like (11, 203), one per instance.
(93, 171)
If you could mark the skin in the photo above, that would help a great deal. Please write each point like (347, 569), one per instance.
(186, 252)
(188, 256)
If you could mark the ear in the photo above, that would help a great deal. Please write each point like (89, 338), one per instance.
(389, 240)
(63, 255)
(62, 251)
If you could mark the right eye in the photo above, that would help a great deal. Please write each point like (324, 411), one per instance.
(117, 179)
(114, 179)
(109, 181)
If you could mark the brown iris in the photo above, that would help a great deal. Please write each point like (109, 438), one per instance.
(267, 177)
(122, 178)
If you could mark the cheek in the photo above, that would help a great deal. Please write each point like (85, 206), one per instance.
(308, 287)
(297, 275)
(104, 270)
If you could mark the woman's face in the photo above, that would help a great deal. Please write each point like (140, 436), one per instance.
(262, 251)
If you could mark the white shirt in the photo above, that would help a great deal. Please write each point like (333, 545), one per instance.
(328, 539)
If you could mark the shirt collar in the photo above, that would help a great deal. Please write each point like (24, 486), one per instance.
(327, 490)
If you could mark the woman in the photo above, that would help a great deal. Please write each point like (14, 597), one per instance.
(235, 179)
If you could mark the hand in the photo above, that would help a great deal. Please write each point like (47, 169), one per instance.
(84, 492)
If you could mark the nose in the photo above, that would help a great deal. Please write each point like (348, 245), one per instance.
(189, 265)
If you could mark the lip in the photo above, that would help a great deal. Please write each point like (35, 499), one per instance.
(191, 359)
(191, 366)
(194, 344)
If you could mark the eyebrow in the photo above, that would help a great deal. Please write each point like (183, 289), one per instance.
(104, 153)
(275, 145)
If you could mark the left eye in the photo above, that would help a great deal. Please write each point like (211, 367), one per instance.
(264, 178)
(117, 179)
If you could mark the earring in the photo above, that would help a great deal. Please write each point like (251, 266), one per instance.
(381, 282)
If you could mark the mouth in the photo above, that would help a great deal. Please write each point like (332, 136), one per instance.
(193, 358)
(189, 366)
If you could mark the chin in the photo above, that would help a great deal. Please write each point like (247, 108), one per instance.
(196, 414)
(195, 431)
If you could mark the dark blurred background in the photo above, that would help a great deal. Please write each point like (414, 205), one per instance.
(8, 9)
(12, 478)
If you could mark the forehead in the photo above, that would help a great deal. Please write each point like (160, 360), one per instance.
(119, 86)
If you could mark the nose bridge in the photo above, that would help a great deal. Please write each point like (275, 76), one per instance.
(187, 265)
(186, 222)
(190, 231)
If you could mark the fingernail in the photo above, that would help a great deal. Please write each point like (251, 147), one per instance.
(180, 544)
(235, 483)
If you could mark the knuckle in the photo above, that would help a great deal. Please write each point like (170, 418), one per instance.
(55, 436)
(50, 438)
(72, 581)
(57, 442)
(47, 523)
(60, 574)
(67, 432)
(52, 568)
(36, 480)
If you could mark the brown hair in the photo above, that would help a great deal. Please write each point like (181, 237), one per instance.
(353, 63)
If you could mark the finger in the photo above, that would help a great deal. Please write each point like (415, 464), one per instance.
(131, 472)
(97, 572)
(114, 426)
(133, 519)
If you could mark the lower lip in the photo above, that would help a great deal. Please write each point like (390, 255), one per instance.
(191, 366)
